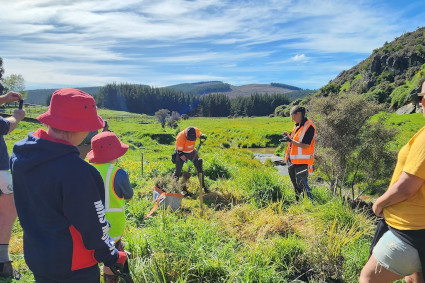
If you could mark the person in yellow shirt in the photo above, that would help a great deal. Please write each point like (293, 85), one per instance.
(400, 251)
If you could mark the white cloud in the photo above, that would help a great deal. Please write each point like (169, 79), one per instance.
(298, 58)
(103, 40)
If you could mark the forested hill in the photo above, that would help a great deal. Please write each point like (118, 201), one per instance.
(40, 96)
(389, 75)
(231, 90)
(148, 100)
(213, 87)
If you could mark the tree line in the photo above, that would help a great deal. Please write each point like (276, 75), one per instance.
(144, 99)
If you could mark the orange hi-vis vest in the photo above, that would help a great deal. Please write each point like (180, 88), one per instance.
(185, 145)
(299, 155)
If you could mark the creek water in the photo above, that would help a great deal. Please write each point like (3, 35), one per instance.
(263, 154)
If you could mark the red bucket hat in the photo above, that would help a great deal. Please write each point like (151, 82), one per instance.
(72, 110)
(105, 147)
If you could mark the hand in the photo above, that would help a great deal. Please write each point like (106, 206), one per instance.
(378, 210)
(118, 267)
(285, 138)
(10, 97)
(183, 157)
(203, 137)
(19, 114)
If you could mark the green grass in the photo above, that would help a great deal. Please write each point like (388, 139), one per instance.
(252, 229)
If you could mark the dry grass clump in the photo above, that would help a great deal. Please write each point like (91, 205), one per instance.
(251, 225)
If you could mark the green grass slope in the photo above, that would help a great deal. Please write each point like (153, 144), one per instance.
(252, 229)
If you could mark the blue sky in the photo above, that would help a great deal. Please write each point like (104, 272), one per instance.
(75, 43)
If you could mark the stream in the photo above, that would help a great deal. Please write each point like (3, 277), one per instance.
(263, 154)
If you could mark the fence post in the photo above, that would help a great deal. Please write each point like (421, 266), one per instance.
(142, 151)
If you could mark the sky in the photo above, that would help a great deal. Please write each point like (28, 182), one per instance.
(78, 43)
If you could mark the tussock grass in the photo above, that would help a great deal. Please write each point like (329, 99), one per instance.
(251, 224)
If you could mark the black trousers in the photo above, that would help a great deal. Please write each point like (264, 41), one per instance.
(297, 182)
(85, 275)
(192, 156)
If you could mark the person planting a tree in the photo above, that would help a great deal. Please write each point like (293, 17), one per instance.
(185, 150)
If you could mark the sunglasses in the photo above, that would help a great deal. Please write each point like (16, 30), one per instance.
(420, 96)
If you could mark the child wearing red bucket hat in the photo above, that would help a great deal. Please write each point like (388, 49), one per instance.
(60, 198)
(106, 149)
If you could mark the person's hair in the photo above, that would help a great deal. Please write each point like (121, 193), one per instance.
(297, 109)
(62, 132)
(58, 131)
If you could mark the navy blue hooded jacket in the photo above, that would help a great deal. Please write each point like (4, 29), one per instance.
(59, 200)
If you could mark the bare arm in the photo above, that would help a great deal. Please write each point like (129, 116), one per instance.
(406, 186)
(299, 144)
(18, 115)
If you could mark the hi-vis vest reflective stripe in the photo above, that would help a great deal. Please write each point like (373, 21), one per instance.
(185, 145)
(299, 155)
(114, 205)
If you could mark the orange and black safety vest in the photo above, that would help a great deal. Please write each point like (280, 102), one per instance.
(185, 145)
(299, 155)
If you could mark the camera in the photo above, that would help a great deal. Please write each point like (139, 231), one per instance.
(285, 138)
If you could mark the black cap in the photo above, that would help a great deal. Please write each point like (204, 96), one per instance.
(191, 133)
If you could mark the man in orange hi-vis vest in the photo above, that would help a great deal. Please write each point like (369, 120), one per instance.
(300, 152)
(185, 149)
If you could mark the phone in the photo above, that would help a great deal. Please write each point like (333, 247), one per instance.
(21, 103)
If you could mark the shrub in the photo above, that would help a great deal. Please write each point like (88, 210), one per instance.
(399, 96)
(216, 170)
(225, 145)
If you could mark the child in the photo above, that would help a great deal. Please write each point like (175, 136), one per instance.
(106, 149)
(59, 197)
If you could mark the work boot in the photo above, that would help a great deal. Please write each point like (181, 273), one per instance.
(7, 271)
(107, 278)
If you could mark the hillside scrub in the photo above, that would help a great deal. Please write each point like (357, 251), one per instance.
(389, 75)
(252, 229)
(351, 149)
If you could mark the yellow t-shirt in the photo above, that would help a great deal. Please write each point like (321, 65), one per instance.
(409, 214)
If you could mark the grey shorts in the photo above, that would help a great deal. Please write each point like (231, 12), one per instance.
(5, 182)
(396, 256)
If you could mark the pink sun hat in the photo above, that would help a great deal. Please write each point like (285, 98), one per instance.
(72, 110)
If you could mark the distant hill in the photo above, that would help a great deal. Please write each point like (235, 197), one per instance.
(201, 87)
(39, 96)
(390, 75)
(290, 87)
(231, 91)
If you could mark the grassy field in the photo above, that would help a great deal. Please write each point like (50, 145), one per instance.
(252, 229)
